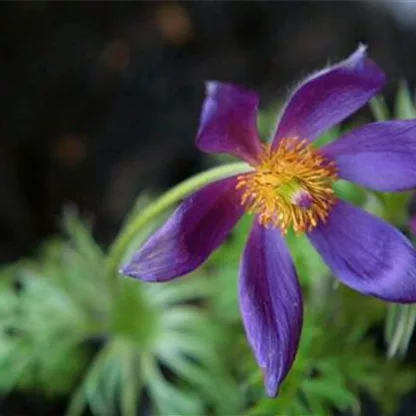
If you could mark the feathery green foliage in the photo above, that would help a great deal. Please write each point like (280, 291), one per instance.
(70, 326)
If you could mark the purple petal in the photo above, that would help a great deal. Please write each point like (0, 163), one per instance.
(196, 228)
(271, 304)
(228, 122)
(413, 225)
(380, 156)
(367, 254)
(329, 96)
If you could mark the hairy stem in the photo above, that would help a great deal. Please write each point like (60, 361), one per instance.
(168, 199)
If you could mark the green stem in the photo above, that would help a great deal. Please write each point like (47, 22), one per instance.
(171, 197)
(379, 108)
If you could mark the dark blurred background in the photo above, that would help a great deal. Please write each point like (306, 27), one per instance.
(101, 100)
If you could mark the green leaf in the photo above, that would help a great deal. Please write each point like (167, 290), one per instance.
(404, 105)
(350, 192)
(379, 108)
(338, 395)
(399, 327)
(267, 121)
(328, 137)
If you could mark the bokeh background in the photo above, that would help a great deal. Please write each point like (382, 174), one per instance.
(101, 100)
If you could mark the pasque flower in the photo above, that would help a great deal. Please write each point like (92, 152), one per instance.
(290, 186)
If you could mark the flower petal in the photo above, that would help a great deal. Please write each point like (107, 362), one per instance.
(367, 254)
(413, 225)
(196, 228)
(329, 96)
(380, 156)
(228, 122)
(271, 304)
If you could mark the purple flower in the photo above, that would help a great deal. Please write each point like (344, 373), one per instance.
(290, 185)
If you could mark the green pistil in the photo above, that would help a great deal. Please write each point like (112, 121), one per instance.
(294, 193)
(289, 189)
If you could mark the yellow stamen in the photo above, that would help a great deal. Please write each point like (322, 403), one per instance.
(290, 186)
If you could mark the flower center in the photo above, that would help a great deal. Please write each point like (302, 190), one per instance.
(290, 186)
